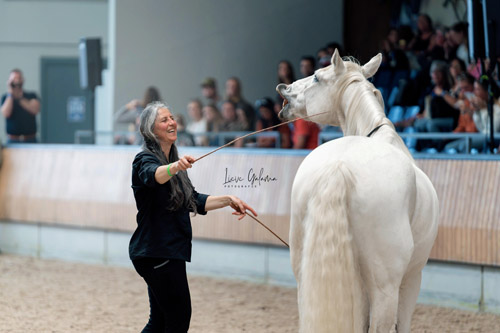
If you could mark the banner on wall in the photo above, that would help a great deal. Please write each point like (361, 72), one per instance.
(264, 180)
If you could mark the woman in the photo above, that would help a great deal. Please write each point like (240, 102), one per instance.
(425, 33)
(477, 107)
(286, 76)
(161, 244)
(443, 117)
(268, 118)
(215, 122)
(197, 124)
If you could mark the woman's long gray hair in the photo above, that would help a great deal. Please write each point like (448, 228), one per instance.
(181, 189)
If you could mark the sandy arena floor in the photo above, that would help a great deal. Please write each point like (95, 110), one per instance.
(55, 296)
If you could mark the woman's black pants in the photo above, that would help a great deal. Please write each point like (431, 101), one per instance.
(169, 298)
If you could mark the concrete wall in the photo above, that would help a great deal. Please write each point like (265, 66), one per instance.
(30, 30)
(175, 44)
(444, 16)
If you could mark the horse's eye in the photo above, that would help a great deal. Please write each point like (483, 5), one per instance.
(315, 78)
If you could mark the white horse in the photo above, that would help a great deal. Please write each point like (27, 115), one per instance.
(364, 217)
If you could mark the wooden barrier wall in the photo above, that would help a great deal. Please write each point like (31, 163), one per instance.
(89, 187)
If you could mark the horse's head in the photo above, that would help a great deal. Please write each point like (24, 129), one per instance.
(314, 94)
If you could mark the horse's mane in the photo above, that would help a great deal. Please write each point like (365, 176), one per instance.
(365, 111)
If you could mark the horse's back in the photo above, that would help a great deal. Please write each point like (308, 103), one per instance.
(380, 169)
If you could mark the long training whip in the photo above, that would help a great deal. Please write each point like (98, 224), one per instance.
(256, 132)
(247, 135)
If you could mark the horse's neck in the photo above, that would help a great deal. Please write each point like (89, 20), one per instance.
(363, 113)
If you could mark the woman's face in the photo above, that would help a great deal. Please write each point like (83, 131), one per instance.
(393, 36)
(440, 38)
(480, 92)
(194, 111)
(265, 113)
(209, 113)
(456, 37)
(422, 23)
(232, 88)
(437, 77)
(241, 115)
(283, 70)
(165, 127)
(228, 112)
(455, 68)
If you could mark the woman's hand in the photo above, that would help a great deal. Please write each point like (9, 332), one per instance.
(240, 207)
(165, 172)
(184, 163)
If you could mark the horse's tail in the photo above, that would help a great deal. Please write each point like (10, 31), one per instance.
(329, 278)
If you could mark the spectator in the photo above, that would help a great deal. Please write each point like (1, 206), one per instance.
(438, 47)
(395, 66)
(231, 123)
(234, 94)
(307, 66)
(267, 118)
(305, 134)
(214, 123)
(459, 40)
(394, 58)
(480, 106)
(184, 138)
(406, 35)
(213, 118)
(442, 116)
(421, 43)
(19, 108)
(198, 124)
(332, 46)
(323, 58)
(465, 121)
(457, 68)
(209, 92)
(463, 93)
(242, 118)
(286, 76)
(128, 116)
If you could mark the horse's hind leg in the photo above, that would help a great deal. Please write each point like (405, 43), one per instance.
(383, 310)
(385, 268)
(408, 294)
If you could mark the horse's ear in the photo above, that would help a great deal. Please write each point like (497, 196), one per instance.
(338, 63)
(371, 67)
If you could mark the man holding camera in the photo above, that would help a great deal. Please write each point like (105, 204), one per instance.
(19, 109)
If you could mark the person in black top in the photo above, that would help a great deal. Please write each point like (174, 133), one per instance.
(19, 109)
(164, 195)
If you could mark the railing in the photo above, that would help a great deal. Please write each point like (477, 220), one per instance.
(410, 138)
(215, 138)
(221, 138)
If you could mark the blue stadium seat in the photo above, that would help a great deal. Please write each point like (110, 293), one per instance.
(392, 97)
(396, 113)
(411, 111)
(411, 143)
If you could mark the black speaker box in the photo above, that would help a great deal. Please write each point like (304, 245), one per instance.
(90, 63)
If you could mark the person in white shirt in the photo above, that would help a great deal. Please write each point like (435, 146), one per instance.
(197, 124)
(481, 117)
